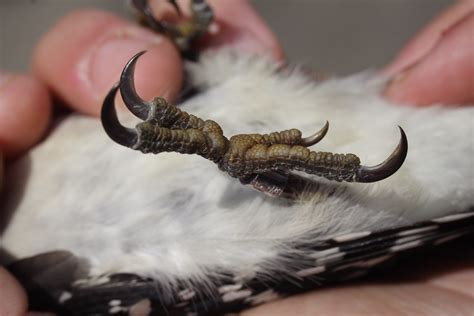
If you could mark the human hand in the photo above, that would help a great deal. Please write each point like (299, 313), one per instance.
(25, 108)
(80, 59)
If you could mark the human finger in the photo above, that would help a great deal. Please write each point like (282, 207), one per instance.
(372, 299)
(25, 109)
(13, 299)
(445, 75)
(426, 39)
(82, 56)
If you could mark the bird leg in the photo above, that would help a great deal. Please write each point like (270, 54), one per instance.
(263, 160)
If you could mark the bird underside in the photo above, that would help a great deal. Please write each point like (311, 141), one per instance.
(184, 236)
(108, 230)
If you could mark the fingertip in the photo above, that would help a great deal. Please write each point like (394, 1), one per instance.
(13, 299)
(426, 39)
(82, 56)
(445, 75)
(25, 109)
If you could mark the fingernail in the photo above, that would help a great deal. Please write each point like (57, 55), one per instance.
(105, 62)
(398, 78)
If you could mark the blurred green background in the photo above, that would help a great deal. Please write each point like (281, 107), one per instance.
(331, 36)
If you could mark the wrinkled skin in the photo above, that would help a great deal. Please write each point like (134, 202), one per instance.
(442, 286)
(166, 128)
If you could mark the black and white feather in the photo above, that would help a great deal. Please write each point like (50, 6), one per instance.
(172, 235)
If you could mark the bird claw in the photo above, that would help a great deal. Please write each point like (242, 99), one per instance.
(183, 33)
(264, 161)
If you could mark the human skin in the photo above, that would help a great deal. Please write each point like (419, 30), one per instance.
(80, 69)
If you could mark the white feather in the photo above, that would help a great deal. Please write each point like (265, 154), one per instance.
(176, 216)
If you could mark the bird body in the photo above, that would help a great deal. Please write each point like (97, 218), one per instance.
(188, 235)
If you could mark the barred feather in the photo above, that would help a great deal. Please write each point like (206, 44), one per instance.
(330, 261)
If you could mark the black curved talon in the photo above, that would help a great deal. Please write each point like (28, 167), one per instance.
(124, 136)
(386, 168)
(132, 100)
(262, 160)
(316, 137)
